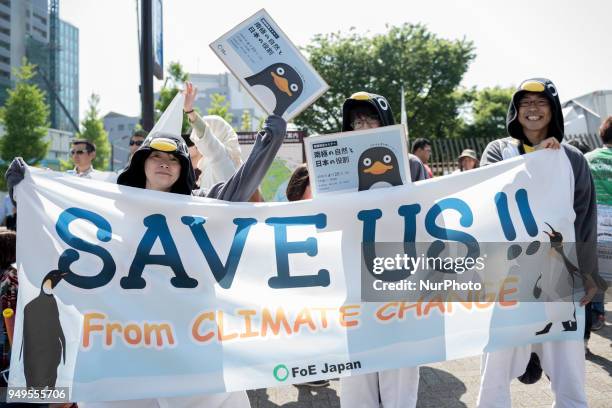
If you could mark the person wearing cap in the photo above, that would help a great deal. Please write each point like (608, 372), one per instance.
(391, 388)
(162, 163)
(216, 141)
(535, 121)
(468, 160)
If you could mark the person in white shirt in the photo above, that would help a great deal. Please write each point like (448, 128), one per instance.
(83, 153)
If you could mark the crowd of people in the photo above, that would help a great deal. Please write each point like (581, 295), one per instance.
(207, 162)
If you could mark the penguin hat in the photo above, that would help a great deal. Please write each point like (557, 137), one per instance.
(164, 137)
(378, 165)
(547, 89)
(368, 103)
(284, 82)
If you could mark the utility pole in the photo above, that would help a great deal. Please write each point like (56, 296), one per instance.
(53, 60)
(146, 64)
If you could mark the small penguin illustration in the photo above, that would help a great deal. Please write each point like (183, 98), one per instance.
(284, 82)
(43, 344)
(378, 165)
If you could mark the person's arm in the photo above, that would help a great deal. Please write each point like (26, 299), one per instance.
(244, 182)
(14, 175)
(204, 136)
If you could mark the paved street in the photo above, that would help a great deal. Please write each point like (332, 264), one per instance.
(455, 383)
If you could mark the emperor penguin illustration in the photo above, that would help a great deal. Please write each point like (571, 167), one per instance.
(556, 243)
(378, 167)
(43, 344)
(284, 82)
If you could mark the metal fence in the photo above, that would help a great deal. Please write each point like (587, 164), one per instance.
(444, 152)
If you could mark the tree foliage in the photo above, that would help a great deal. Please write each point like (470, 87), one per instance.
(92, 129)
(429, 68)
(25, 117)
(174, 80)
(220, 107)
(488, 110)
(245, 121)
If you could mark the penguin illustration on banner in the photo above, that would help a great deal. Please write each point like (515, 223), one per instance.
(556, 244)
(378, 167)
(284, 82)
(43, 344)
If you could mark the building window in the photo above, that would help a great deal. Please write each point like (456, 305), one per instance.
(120, 127)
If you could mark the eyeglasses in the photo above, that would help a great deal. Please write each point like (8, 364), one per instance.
(136, 142)
(78, 152)
(362, 121)
(535, 102)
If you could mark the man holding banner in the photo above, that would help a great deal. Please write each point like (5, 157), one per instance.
(535, 121)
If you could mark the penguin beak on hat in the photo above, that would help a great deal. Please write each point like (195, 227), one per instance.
(281, 83)
(532, 86)
(378, 168)
(164, 145)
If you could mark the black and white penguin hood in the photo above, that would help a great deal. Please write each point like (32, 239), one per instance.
(379, 102)
(547, 89)
(134, 175)
(164, 137)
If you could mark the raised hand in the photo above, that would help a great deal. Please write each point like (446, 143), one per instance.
(190, 93)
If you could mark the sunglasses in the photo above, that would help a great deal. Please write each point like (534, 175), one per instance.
(78, 152)
(136, 142)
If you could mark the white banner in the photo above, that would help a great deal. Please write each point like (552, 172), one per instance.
(127, 293)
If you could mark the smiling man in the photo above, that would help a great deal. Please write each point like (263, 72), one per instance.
(535, 121)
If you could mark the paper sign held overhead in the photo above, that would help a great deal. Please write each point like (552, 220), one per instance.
(269, 66)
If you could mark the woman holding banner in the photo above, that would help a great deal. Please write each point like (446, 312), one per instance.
(162, 163)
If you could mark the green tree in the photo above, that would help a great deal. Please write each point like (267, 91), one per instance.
(175, 78)
(488, 112)
(92, 129)
(246, 122)
(220, 107)
(25, 117)
(429, 68)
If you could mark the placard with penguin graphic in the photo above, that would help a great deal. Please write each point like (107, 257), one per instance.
(269, 66)
(358, 160)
